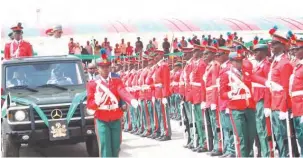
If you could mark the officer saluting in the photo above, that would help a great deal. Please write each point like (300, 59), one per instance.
(103, 96)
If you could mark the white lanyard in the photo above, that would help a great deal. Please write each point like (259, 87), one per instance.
(16, 53)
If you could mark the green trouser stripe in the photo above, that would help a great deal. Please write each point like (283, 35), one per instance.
(145, 117)
(199, 124)
(139, 117)
(172, 104)
(280, 132)
(177, 105)
(163, 118)
(261, 129)
(151, 115)
(214, 127)
(188, 111)
(228, 144)
(299, 132)
(133, 117)
(108, 136)
(244, 127)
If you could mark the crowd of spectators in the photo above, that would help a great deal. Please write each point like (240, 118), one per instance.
(123, 48)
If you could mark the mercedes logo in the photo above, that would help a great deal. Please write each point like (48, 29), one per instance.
(56, 114)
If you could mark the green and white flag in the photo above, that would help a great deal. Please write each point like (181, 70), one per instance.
(5, 105)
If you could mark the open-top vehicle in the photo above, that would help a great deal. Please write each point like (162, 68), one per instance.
(44, 103)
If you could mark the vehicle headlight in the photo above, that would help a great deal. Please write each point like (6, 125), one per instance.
(20, 115)
(90, 112)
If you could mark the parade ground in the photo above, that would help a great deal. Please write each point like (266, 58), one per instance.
(132, 146)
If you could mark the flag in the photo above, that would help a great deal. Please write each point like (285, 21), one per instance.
(5, 105)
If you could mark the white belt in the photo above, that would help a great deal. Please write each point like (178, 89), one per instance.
(174, 84)
(181, 83)
(211, 87)
(145, 87)
(257, 85)
(238, 97)
(195, 84)
(159, 85)
(296, 93)
(109, 107)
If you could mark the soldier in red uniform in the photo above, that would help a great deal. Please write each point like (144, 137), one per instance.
(210, 78)
(183, 85)
(197, 98)
(296, 93)
(235, 86)
(226, 127)
(145, 118)
(280, 71)
(185, 92)
(175, 98)
(162, 84)
(103, 96)
(150, 98)
(18, 47)
(261, 96)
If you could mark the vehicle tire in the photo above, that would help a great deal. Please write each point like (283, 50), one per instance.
(92, 146)
(9, 148)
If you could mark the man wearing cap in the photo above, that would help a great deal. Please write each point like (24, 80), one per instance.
(185, 92)
(55, 45)
(197, 97)
(175, 98)
(103, 96)
(150, 99)
(145, 118)
(131, 119)
(235, 86)
(210, 78)
(296, 93)
(226, 127)
(17, 48)
(280, 71)
(261, 96)
(162, 92)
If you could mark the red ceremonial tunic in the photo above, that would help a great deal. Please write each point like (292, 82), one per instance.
(116, 86)
(296, 89)
(240, 100)
(175, 82)
(210, 77)
(223, 69)
(162, 80)
(260, 91)
(196, 81)
(15, 50)
(149, 81)
(185, 87)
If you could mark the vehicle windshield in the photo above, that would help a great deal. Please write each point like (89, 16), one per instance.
(39, 74)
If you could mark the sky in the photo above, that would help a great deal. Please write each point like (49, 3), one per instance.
(94, 11)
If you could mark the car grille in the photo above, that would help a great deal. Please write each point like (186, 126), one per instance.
(48, 110)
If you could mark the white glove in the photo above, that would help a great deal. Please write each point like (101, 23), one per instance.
(182, 103)
(291, 115)
(226, 111)
(134, 103)
(283, 115)
(203, 105)
(213, 106)
(230, 94)
(98, 98)
(153, 99)
(164, 101)
(301, 121)
(267, 112)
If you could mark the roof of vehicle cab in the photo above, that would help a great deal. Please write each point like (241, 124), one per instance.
(41, 58)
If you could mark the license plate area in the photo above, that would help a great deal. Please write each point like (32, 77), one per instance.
(58, 130)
